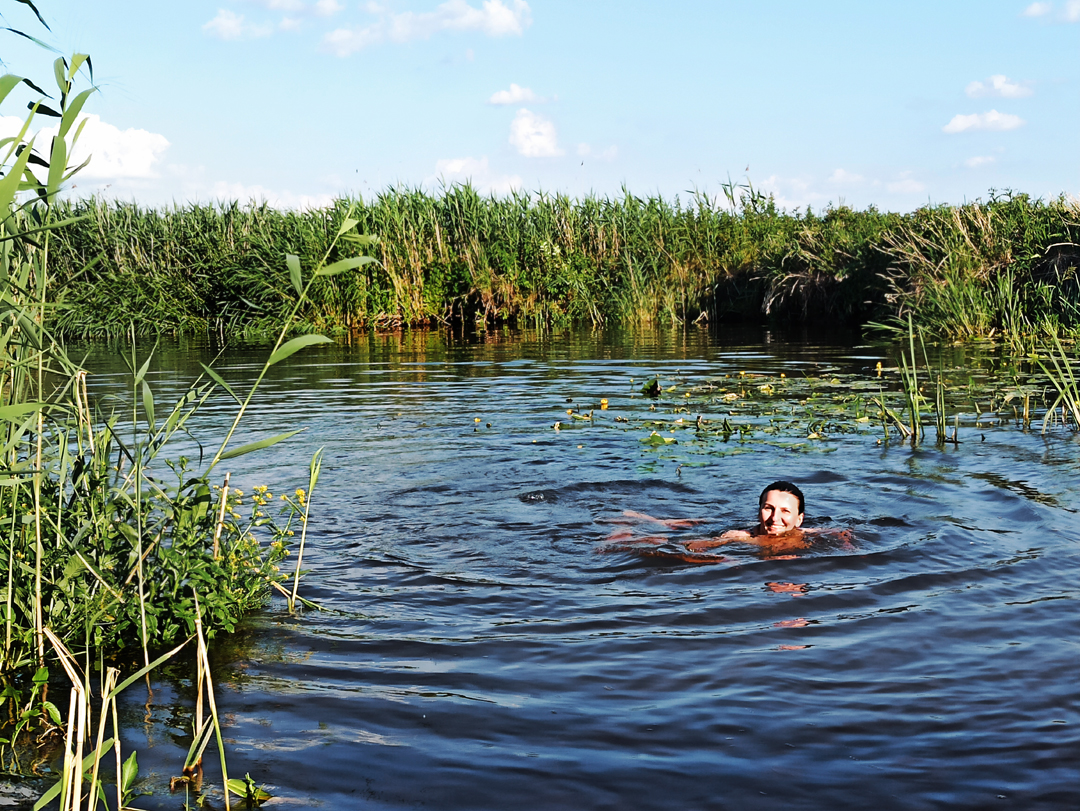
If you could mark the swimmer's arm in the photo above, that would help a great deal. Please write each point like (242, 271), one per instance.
(673, 523)
(730, 536)
(845, 535)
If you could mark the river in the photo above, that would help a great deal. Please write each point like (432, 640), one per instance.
(480, 650)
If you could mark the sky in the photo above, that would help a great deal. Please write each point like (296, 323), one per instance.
(295, 102)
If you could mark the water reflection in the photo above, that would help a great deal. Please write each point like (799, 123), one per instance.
(477, 652)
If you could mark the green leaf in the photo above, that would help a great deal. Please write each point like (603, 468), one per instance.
(88, 761)
(9, 184)
(257, 446)
(348, 225)
(361, 239)
(142, 371)
(76, 63)
(53, 711)
(295, 345)
(220, 381)
(60, 74)
(342, 265)
(36, 12)
(293, 261)
(148, 404)
(73, 110)
(42, 109)
(247, 789)
(129, 772)
(7, 84)
(138, 675)
(10, 412)
(656, 440)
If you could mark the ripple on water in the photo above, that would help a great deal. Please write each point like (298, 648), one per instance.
(480, 653)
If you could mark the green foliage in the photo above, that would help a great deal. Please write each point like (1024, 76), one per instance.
(1004, 267)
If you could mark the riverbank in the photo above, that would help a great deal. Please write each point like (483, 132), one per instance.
(1004, 267)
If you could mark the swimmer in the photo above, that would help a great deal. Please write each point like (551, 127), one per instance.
(781, 510)
(778, 533)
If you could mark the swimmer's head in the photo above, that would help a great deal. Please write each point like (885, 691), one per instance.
(784, 487)
(781, 508)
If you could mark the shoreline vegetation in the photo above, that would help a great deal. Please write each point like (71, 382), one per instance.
(1005, 268)
(115, 549)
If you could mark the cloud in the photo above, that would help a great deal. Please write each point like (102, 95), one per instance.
(115, 154)
(281, 5)
(979, 160)
(997, 85)
(533, 136)
(992, 120)
(494, 18)
(846, 178)
(905, 184)
(1070, 13)
(327, 8)
(476, 172)
(515, 95)
(229, 25)
(607, 154)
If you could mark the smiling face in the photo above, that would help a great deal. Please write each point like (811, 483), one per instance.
(779, 513)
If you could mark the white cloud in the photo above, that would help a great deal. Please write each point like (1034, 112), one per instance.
(230, 25)
(476, 172)
(494, 18)
(533, 136)
(998, 85)
(992, 120)
(114, 154)
(844, 177)
(1070, 13)
(281, 5)
(327, 8)
(515, 95)
(979, 160)
(607, 154)
(906, 184)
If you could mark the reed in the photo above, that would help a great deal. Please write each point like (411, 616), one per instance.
(1065, 384)
(108, 543)
(1001, 269)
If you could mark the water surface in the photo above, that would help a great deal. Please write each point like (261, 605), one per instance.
(477, 652)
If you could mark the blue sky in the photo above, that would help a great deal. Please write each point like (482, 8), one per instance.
(892, 104)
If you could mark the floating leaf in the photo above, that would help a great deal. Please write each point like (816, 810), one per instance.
(657, 440)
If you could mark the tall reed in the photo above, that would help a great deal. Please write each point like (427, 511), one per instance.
(99, 549)
(1001, 268)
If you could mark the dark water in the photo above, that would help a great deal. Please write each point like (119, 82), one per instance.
(479, 653)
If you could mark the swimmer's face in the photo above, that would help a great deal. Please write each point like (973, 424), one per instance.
(779, 513)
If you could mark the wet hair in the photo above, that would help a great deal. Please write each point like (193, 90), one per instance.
(784, 487)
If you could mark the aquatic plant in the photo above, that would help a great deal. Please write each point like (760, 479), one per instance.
(108, 544)
(1004, 268)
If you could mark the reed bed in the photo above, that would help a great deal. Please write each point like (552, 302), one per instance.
(112, 549)
(1004, 268)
